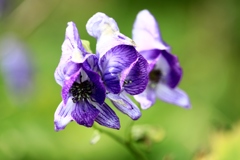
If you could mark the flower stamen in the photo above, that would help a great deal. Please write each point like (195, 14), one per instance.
(81, 91)
(127, 81)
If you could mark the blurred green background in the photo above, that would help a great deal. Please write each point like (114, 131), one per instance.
(205, 36)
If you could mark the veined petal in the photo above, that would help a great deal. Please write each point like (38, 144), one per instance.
(152, 56)
(115, 66)
(174, 96)
(146, 32)
(84, 113)
(92, 61)
(137, 80)
(147, 98)
(98, 92)
(107, 116)
(125, 105)
(68, 84)
(62, 115)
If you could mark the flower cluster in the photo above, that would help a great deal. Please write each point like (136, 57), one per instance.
(117, 70)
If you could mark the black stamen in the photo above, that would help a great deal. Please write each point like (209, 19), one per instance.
(81, 91)
(127, 81)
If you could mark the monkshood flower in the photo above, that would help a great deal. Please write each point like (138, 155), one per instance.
(164, 70)
(83, 92)
(123, 69)
(16, 67)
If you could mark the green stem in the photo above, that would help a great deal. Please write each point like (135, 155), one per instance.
(136, 153)
(115, 137)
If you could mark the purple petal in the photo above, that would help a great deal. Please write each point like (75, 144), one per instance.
(70, 69)
(174, 96)
(173, 70)
(137, 79)
(84, 113)
(92, 61)
(67, 85)
(152, 56)
(116, 64)
(125, 105)
(58, 75)
(146, 32)
(147, 98)
(107, 116)
(98, 92)
(62, 115)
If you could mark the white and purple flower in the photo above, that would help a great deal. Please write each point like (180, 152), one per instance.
(83, 92)
(164, 70)
(123, 69)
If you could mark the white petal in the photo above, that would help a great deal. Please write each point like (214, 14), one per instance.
(62, 115)
(146, 32)
(100, 24)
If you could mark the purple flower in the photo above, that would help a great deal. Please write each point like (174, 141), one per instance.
(16, 66)
(123, 69)
(83, 92)
(164, 70)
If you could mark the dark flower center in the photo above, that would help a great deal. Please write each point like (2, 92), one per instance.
(81, 91)
(155, 75)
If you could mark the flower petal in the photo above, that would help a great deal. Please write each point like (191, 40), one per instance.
(107, 116)
(72, 46)
(152, 56)
(174, 96)
(72, 51)
(125, 105)
(105, 30)
(175, 73)
(137, 80)
(98, 92)
(92, 61)
(115, 68)
(146, 32)
(67, 85)
(100, 23)
(147, 98)
(170, 68)
(84, 113)
(62, 115)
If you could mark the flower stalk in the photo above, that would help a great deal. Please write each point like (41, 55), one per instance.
(127, 143)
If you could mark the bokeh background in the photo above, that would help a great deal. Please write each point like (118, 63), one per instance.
(204, 34)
